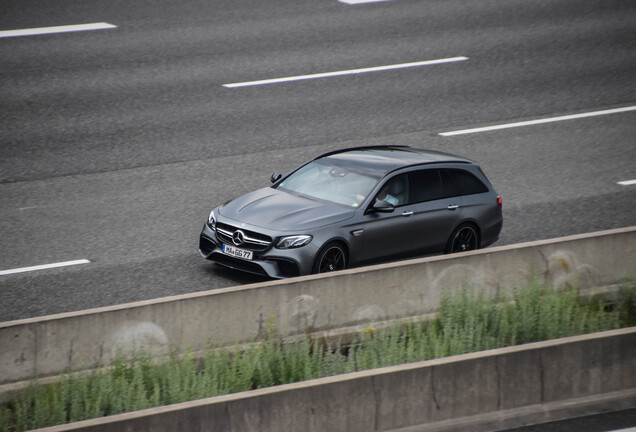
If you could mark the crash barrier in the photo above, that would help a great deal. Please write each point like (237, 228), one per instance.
(489, 390)
(52, 345)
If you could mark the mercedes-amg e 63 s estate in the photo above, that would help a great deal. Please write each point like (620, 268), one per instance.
(353, 207)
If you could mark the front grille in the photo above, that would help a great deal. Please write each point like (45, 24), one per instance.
(253, 241)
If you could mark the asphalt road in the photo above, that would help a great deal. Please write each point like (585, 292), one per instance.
(616, 421)
(115, 144)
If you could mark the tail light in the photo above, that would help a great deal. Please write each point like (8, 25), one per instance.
(499, 202)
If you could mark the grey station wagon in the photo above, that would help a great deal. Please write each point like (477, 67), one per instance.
(353, 207)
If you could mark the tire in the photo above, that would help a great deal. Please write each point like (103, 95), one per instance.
(332, 257)
(464, 238)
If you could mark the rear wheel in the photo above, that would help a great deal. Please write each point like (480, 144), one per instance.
(464, 238)
(332, 257)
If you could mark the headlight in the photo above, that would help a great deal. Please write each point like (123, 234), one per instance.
(293, 241)
(212, 221)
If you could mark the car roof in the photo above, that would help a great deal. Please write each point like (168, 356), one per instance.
(384, 159)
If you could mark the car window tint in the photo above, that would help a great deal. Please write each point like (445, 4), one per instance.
(449, 185)
(465, 182)
(426, 185)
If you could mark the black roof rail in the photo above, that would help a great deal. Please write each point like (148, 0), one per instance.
(369, 147)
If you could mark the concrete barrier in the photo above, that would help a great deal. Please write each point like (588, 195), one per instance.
(489, 390)
(82, 340)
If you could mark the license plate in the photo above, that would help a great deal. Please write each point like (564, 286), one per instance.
(236, 252)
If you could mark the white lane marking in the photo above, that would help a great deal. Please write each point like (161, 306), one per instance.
(540, 121)
(627, 182)
(57, 29)
(346, 72)
(43, 267)
(354, 2)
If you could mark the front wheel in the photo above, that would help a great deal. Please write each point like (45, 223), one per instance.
(464, 238)
(332, 257)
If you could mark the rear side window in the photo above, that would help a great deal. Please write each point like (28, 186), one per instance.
(425, 185)
(434, 184)
(463, 182)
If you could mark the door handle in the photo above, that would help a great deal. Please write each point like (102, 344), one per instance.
(453, 207)
(407, 213)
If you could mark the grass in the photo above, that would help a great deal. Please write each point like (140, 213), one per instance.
(466, 323)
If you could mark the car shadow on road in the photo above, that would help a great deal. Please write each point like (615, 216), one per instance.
(231, 277)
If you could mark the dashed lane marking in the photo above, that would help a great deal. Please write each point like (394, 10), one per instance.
(57, 29)
(539, 121)
(346, 72)
(43, 267)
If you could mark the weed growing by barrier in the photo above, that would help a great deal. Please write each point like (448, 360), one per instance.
(466, 323)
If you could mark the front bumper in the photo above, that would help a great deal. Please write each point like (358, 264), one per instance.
(273, 263)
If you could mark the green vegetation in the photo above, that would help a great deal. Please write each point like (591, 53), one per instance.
(466, 323)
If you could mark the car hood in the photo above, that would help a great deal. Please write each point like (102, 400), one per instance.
(281, 211)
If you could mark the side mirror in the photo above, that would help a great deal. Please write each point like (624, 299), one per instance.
(381, 207)
(275, 177)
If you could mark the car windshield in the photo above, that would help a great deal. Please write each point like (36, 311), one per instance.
(326, 180)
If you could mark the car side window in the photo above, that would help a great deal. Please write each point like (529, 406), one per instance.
(449, 185)
(426, 185)
(394, 191)
(464, 182)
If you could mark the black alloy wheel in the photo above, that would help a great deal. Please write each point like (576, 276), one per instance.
(331, 258)
(463, 239)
